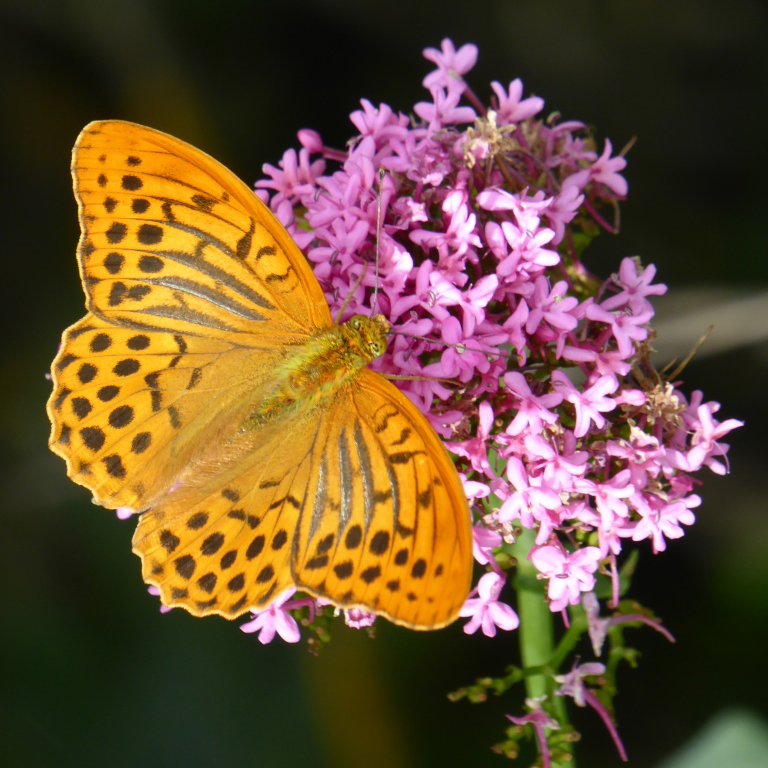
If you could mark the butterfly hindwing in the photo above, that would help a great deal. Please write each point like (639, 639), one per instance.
(386, 525)
(353, 504)
(240, 525)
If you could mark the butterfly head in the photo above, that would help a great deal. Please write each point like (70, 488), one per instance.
(370, 334)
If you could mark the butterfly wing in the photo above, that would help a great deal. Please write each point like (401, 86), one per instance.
(172, 238)
(387, 526)
(194, 291)
(356, 501)
(224, 545)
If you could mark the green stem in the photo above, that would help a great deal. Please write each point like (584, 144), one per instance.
(536, 631)
(536, 627)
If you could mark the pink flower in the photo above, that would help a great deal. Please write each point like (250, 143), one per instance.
(598, 627)
(474, 300)
(557, 469)
(541, 722)
(606, 362)
(153, 590)
(572, 685)
(562, 209)
(310, 140)
(707, 433)
(521, 253)
(641, 453)
(452, 64)
(569, 574)
(275, 619)
(444, 109)
(485, 609)
(625, 328)
(661, 519)
(484, 540)
(608, 495)
(510, 109)
(532, 411)
(590, 404)
(604, 170)
(458, 238)
(636, 286)
(380, 123)
(551, 306)
(295, 176)
(457, 361)
(476, 449)
(610, 529)
(473, 489)
(358, 618)
(529, 501)
(514, 326)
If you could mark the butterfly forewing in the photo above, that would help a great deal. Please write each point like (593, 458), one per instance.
(121, 397)
(193, 288)
(201, 307)
(172, 239)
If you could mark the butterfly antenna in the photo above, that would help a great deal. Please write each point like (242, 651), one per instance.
(378, 241)
(459, 347)
(351, 293)
(365, 264)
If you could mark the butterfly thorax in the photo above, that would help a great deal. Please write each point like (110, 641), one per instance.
(316, 369)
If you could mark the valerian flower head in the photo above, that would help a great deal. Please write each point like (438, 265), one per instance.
(532, 369)
(478, 255)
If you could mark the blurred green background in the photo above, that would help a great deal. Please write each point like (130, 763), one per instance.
(92, 673)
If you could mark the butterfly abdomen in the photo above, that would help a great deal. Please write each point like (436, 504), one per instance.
(315, 370)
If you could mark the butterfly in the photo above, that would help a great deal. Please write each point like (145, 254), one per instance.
(209, 390)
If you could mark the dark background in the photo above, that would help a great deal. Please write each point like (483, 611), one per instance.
(92, 673)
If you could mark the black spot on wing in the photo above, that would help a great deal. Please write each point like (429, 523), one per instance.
(244, 243)
(379, 543)
(185, 566)
(370, 574)
(353, 537)
(344, 569)
(212, 544)
(169, 540)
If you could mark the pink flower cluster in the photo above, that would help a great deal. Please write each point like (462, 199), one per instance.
(559, 424)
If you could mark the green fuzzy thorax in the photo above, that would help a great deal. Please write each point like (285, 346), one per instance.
(315, 370)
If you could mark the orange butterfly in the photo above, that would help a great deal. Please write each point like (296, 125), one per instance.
(209, 389)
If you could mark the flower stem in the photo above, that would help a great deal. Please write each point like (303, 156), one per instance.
(536, 629)
(536, 632)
